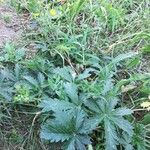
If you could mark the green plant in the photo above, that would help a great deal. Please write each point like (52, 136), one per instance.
(73, 129)
(145, 87)
(10, 54)
(139, 138)
(87, 86)
(105, 113)
(7, 18)
(113, 120)
(101, 108)
(111, 15)
(22, 94)
(9, 79)
(75, 8)
(39, 85)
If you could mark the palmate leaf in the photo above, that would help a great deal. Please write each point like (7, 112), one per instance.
(38, 85)
(113, 120)
(70, 128)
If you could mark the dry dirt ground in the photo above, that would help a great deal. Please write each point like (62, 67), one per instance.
(11, 25)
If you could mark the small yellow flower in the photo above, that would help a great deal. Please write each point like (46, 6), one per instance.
(53, 12)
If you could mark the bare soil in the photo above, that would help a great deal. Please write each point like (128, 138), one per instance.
(11, 25)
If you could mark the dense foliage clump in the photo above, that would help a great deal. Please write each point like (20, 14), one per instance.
(85, 84)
